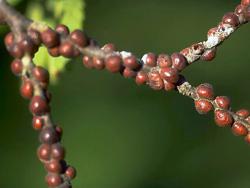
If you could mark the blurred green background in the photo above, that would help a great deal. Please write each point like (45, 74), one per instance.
(121, 135)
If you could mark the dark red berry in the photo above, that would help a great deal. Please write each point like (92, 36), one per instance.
(9, 40)
(245, 2)
(222, 102)
(231, 18)
(78, 37)
(131, 62)
(205, 91)
(53, 180)
(54, 52)
(28, 46)
(66, 49)
(62, 29)
(150, 59)
(57, 151)
(17, 67)
(223, 118)
(34, 36)
(70, 172)
(239, 129)
(141, 78)
(155, 81)
(239, 9)
(41, 74)
(87, 62)
(43, 152)
(27, 89)
(16, 51)
(98, 63)
(209, 55)
(37, 123)
(39, 106)
(168, 86)
(170, 74)
(113, 64)
(54, 166)
(128, 73)
(50, 38)
(164, 60)
(244, 113)
(48, 135)
(59, 131)
(203, 106)
(178, 61)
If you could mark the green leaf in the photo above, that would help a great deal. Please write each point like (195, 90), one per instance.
(13, 2)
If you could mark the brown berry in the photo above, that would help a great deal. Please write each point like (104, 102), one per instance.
(54, 166)
(27, 89)
(245, 2)
(78, 37)
(113, 64)
(239, 10)
(179, 61)
(87, 62)
(141, 78)
(155, 81)
(98, 63)
(223, 118)
(50, 38)
(16, 51)
(41, 74)
(53, 180)
(57, 151)
(209, 55)
(203, 106)
(35, 36)
(39, 106)
(37, 123)
(54, 52)
(231, 18)
(244, 113)
(150, 60)
(28, 46)
(164, 60)
(62, 29)
(169, 74)
(48, 135)
(9, 40)
(222, 102)
(70, 172)
(168, 86)
(66, 49)
(239, 129)
(43, 152)
(128, 73)
(131, 62)
(205, 91)
(17, 67)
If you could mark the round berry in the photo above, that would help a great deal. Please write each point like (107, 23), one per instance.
(28, 46)
(27, 89)
(239, 10)
(179, 61)
(34, 36)
(39, 106)
(231, 18)
(168, 86)
(16, 67)
(62, 29)
(57, 151)
(164, 60)
(48, 135)
(66, 49)
(244, 113)
(50, 38)
(223, 118)
(16, 51)
(239, 129)
(203, 106)
(209, 55)
(78, 37)
(245, 2)
(155, 81)
(128, 73)
(222, 102)
(53, 180)
(247, 138)
(43, 152)
(54, 52)
(70, 172)
(41, 74)
(205, 91)
(150, 59)
(131, 62)
(37, 123)
(141, 78)
(169, 74)
(98, 63)
(113, 64)
(54, 166)
(9, 40)
(87, 62)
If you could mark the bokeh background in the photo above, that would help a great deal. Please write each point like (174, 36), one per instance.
(120, 135)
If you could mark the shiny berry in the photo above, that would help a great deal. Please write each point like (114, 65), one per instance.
(222, 102)
(62, 29)
(128, 73)
(141, 78)
(87, 62)
(28, 46)
(16, 66)
(131, 62)
(164, 60)
(39, 106)
(66, 49)
(203, 106)
(113, 64)
(37, 123)
(50, 38)
(245, 2)
(9, 40)
(231, 18)
(78, 37)
(209, 55)
(43, 152)
(239, 129)
(48, 135)
(168, 86)
(244, 113)
(179, 61)
(223, 118)
(34, 36)
(54, 166)
(27, 89)
(53, 180)
(169, 74)
(205, 91)
(16, 51)
(57, 151)
(70, 172)
(98, 63)
(155, 81)
(150, 59)
(54, 52)
(41, 74)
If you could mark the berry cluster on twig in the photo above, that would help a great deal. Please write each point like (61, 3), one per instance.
(160, 72)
